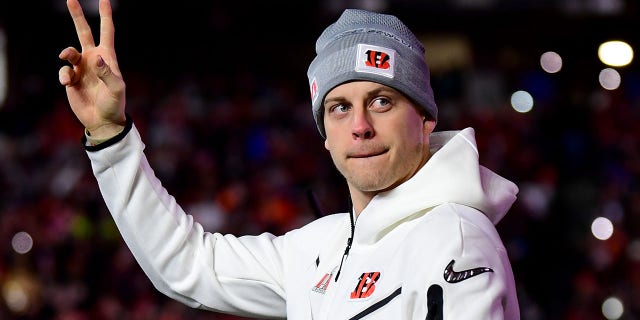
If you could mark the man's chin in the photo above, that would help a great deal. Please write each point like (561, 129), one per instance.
(369, 184)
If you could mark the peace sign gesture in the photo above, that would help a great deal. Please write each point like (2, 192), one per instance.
(94, 84)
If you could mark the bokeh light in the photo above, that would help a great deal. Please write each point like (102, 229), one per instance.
(20, 292)
(615, 53)
(551, 62)
(22, 242)
(612, 308)
(602, 228)
(609, 79)
(522, 101)
(15, 296)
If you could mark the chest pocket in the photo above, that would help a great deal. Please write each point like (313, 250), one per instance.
(387, 308)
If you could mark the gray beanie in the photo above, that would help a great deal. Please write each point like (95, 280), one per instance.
(364, 45)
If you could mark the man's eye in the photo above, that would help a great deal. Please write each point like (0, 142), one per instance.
(381, 104)
(339, 108)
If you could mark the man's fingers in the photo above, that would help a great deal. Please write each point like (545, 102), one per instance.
(65, 75)
(71, 54)
(113, 81)
(82, 27)
(106, 24)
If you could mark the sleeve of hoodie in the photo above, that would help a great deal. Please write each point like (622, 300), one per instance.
(238, 275)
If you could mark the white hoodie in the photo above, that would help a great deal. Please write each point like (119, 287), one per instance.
(427, 249)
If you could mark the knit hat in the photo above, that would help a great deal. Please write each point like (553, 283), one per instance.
(364, 45)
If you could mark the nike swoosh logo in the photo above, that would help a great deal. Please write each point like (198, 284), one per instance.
(452, 276)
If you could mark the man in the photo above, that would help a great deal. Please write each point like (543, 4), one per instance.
(419, 242)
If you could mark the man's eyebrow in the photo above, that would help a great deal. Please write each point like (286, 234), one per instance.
(331, 100)
(381, 90)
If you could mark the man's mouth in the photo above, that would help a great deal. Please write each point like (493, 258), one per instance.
(368, 154)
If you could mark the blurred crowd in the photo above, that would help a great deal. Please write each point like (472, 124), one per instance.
(241, 153)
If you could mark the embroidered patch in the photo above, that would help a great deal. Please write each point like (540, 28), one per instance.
(366, 285)
(314, 90)
(323, 284)
(376, 60)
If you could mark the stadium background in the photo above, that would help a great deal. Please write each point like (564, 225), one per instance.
(219, 93)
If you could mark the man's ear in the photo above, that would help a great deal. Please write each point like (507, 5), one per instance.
(326, 144)
(428, 126)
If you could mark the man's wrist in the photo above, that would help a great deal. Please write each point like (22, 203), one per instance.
(104, 133)
(95, 140)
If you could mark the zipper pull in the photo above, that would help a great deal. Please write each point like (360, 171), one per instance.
(350, 240)
(344, 256)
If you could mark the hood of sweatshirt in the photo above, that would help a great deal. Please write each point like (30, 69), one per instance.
(452, 175)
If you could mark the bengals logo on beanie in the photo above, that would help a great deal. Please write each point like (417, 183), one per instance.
(376, 60)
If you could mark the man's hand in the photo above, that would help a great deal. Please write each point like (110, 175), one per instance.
(94, 84)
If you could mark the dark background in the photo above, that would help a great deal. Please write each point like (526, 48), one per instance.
(219, 93)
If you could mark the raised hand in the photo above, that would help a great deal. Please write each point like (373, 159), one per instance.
(94, 84)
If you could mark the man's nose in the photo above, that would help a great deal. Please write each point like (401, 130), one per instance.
(361, 127)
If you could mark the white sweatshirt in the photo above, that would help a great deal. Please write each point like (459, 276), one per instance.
(427, 249)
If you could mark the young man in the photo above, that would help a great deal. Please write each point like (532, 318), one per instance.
(419, 242)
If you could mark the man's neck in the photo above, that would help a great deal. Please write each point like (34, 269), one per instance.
(360, 199)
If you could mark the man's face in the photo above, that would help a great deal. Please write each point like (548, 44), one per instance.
(375, 135)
